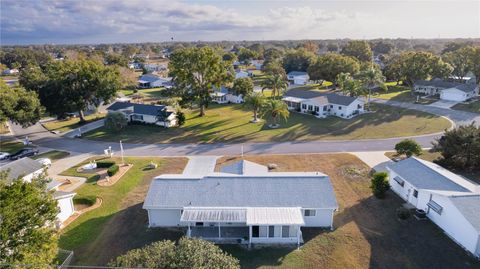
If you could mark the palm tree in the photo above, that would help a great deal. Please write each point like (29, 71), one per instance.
(255, 101)
(370, 78)
(276, 83)
(276, 108)
(342, 79)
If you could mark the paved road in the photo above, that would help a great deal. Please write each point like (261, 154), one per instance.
(41, 137)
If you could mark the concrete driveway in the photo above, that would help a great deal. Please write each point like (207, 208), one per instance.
(444, 104)
(200, 165)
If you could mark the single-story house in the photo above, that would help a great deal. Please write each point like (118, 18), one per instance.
(323, 104)
(449, 200)
(257, 63)
(154, 67)
(450, 91)
(225, 95)
(153, 81)
(243, 203)
(241, 74)
(10, 71)
(135, 65)
(152, 114)
(27, 170)
(298, 78)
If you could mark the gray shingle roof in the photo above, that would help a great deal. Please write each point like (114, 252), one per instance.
(469, 206)
(439, 83)
(21, 167)
(149, 77)
(425, 175)
(143, 109)
(222, 190)
(322, 98)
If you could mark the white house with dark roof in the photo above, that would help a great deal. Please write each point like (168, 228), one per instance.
(449, 200)
(225, 95)
(27, 169)
(298, 77)
(450, 91)
(154, 81)
(323, 104)
(151, 114)
(243, 203)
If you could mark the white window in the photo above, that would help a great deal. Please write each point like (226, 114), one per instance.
(310, 213)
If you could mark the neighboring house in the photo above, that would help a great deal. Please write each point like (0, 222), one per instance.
(257, 63)
(152, 114)
(135, 65)
(243, 203)
(298, 78)
(154, 81)
(154, 67)
(323, 104)
(27, 170)
(450, 201)
(225, 95)
(10, 71)
(241, 74)
(450, 91)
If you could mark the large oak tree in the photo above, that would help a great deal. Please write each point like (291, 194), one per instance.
(19, 105)
(329, 66)
(195, 71)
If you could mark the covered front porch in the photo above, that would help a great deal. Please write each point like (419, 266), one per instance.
(245, 225)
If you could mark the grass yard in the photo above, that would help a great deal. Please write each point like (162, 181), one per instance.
(471, 107)
(10, 146)
(120, 223)
(231, 123)
(431, 156)
(52, 155)
(367, 232)
(71, 123)
(402, 94)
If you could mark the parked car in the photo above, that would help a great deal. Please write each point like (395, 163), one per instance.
(45, 162)
(4, 155)
(25, 152)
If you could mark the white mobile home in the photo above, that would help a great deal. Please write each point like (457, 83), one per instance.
(450, 91)
(323, 104)
(298, 78)
(450, 201)
(153, 81)
(244, 203)
(226, 96)
(152, 114)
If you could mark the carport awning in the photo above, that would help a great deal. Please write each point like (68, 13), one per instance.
(213, 215)
(274, 216)
(250, 215)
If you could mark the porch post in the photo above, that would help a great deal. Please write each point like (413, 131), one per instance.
(189, 232)
(249, 236)
(219, 231)
(299, 233)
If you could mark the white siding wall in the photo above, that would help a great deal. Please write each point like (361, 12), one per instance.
(66, 208)
(164, 217)
(454, 224)
(322, 218)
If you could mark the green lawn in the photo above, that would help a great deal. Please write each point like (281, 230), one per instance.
(71, 123)
(231, 123)
(52, 155)
(81, 235)
(471, 107)
(402, 94)
(10, 146)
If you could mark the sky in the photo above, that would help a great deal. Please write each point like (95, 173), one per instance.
(134, 21)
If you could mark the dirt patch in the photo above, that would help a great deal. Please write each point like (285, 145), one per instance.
(106, 181)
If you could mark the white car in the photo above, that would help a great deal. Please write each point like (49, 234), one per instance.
(4, 155)
(45, 162)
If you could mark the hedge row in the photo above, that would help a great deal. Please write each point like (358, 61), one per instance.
(112, 170)
(105, 164)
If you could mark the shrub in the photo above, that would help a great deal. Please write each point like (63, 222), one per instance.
(85, 200)
(379, 184)
(403, 213)
(115, 121)
(180, 118)
(408, 147)
(112, 170)
(105, 164)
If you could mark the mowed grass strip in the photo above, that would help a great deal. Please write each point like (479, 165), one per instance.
(470, 107)
(231, 123)
(89, 226)
(11, 146)
(53, 155)
(71, 123)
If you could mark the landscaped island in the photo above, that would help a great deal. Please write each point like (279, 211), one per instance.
(232, 124)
